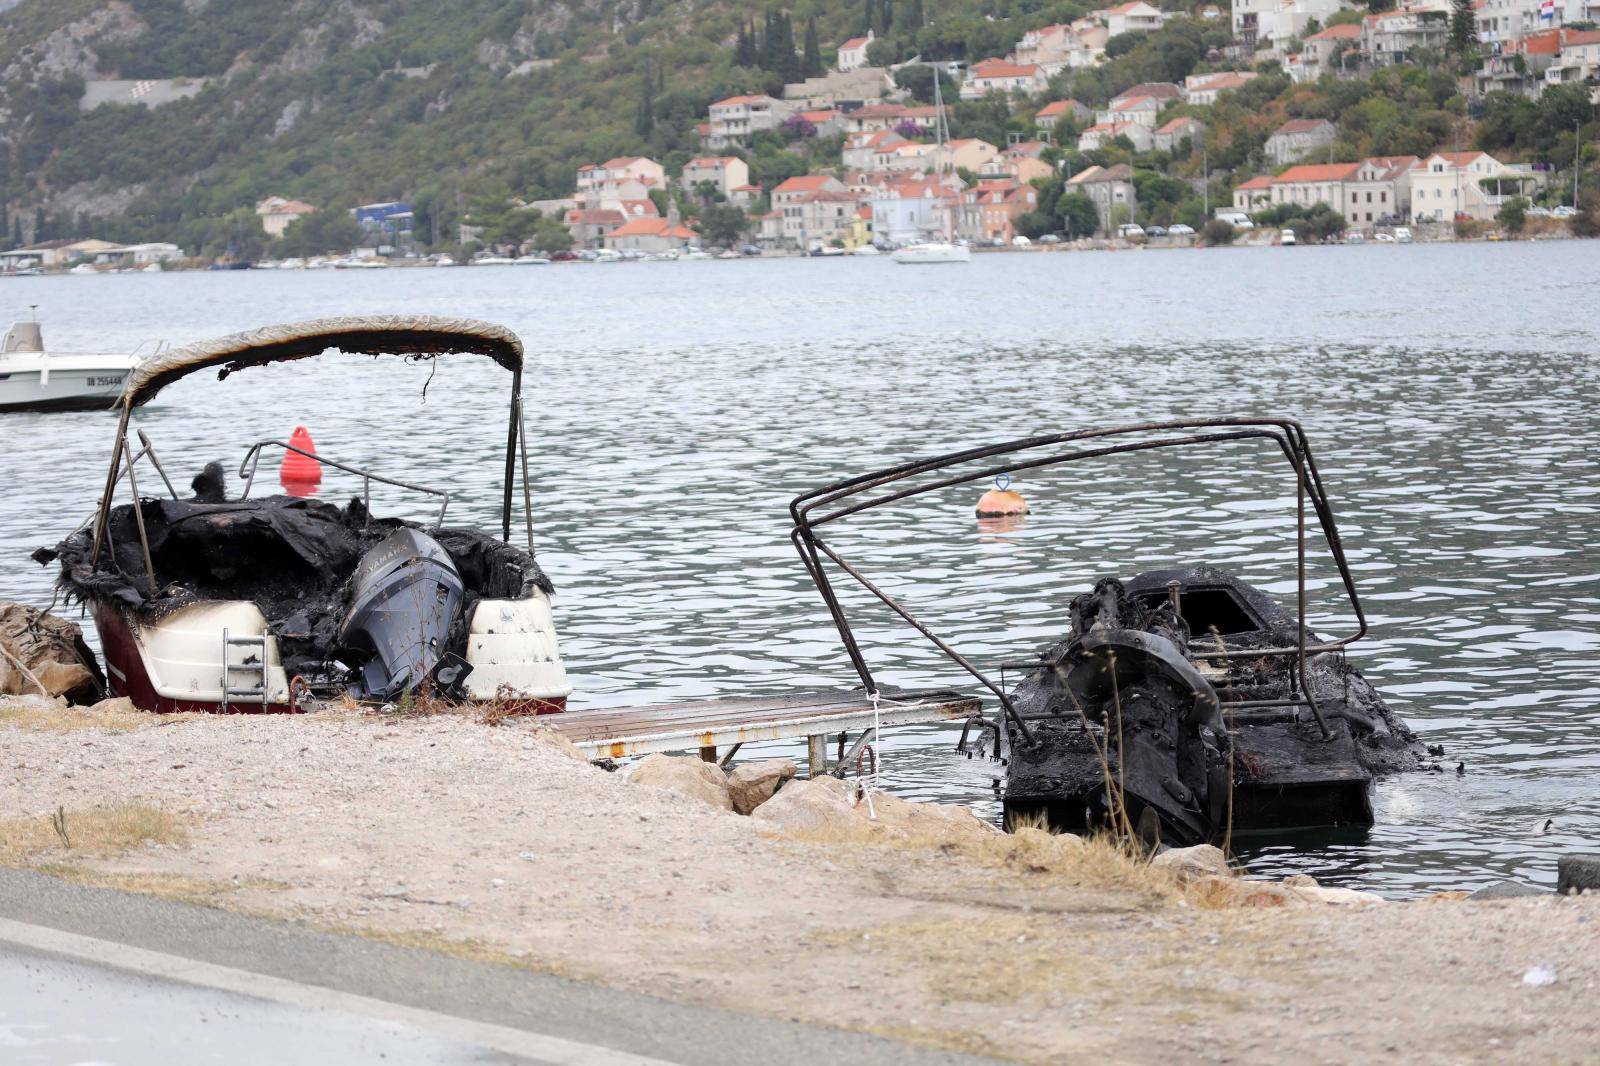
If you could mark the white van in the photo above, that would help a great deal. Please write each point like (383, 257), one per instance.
(1236, 219)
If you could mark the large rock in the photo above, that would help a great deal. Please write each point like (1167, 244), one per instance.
(1190, 864)
(51, 649)
(828, 807)
(689, 775)
(1577, 873)
(752, 784)
(1506, 890)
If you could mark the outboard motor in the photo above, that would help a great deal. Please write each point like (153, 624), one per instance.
(404, 597)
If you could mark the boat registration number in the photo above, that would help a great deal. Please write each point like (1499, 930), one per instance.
(104, 381)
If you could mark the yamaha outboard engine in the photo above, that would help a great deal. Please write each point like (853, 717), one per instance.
(404, 597)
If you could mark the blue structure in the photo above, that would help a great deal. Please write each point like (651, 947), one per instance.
(389, 222)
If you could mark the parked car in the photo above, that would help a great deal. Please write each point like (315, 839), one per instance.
(563, 257)
(1130, 229)
(751, 249)
(1236, 219)
(1180, 230)
(1019, 241)
(1564, 211)
(1050, 238)
(1156, 231)
(1538, 212)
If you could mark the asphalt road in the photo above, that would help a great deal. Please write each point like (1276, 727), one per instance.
(94, 975)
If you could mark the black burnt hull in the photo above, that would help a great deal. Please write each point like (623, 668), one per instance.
(1206, 751)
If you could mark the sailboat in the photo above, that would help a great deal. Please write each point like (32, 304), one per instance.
(945, 250)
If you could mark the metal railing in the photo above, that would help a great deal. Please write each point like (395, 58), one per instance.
(252, 459)
(812, 510)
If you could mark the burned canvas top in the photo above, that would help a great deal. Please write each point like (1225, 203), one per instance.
(293, 557)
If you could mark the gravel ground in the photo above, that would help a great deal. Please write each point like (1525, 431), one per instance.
(495, 842)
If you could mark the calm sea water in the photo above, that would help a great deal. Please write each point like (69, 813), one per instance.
(1451, 393)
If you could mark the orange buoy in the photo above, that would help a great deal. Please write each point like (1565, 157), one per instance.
(300, 472)
(1001, 501)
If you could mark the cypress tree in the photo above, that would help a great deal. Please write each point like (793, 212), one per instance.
(811, 65)
(1463, 27)
(870, 18)
(788, 57)
(645, 120)
(744, 53)
(768, 51)
(885, 18)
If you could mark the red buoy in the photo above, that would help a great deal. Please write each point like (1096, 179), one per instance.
(300, 473)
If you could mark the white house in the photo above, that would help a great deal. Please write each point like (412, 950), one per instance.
(911, 210)
(277, 214)
(1142, 137)
(724, 172)
(1380, 188)
(1135, 17)
(1053, 113)
(1001, 76)
(1446, 184)
(853, 53)
(1203, 89)
(1579, 59)
(733, 120)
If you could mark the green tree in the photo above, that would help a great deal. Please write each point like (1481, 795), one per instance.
(1078, 215)
(811, 61)
(1513, 215)
(917, 79)
(1463, 27)
(1217, 232)
(722, 224)
(644, 120)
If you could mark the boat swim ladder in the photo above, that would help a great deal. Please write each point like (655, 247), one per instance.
(256, 667)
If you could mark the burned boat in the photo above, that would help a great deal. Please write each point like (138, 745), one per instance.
(259, 603)
(1182, 702)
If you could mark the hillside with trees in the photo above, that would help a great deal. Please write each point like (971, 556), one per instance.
(340, 102)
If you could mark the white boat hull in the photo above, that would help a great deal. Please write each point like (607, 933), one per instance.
(933, 252)
(34, 381)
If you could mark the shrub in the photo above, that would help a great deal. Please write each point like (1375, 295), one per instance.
(1217, 232)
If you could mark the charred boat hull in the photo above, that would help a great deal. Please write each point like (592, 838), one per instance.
(1210, 734)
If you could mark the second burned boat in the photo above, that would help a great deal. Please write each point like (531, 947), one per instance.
(1185, 701)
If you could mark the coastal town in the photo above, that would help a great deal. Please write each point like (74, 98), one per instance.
(850, 159)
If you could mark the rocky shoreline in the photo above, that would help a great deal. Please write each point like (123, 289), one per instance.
(915, 921)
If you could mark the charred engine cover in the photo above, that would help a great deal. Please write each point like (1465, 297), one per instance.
(405, 595)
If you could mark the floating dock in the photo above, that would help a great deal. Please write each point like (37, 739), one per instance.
(709, 725)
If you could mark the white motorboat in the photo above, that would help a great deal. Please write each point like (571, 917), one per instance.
(933, 252)
(493, 261)
(32, 379)
(531, 260)
(867, 249)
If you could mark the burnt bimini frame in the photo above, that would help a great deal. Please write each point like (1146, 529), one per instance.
(412, 336)
(813, 510)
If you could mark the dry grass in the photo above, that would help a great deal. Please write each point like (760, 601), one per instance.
(110, 719)
(96, 831)
(175, 887)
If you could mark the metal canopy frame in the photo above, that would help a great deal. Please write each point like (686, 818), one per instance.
(411, 336)
(813, 510)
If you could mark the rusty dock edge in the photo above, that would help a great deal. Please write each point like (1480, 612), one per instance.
(707, 725)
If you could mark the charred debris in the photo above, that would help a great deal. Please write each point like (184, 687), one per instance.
(1183, 701)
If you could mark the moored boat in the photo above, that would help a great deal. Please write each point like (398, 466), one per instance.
(259, 603)
(33, 379)
(1185, 703)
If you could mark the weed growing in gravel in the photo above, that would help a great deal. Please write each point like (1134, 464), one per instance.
(106, 830)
